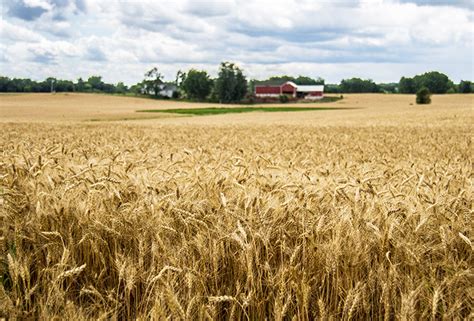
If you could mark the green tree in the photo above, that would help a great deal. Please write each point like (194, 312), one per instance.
(465, 87)
(280, 79)
(388, 88)
(332, 89)
(406, 86)
(357, 85)
(43, 86)
(231, 84)
(108, 88)
(95, 83)
(251, 85)
(28, 85)
(436, 82)
(80, 85)
(4, 81)
(51, 81)
(423, 96)
(180, 76)
(136, 89)
(300, 80)
(303, 80)
(196, 84)
(121, 88)
(153, 81)
(64, 85)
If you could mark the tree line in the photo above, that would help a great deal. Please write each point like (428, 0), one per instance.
(231, 85)
(92, 84)
(436, 82)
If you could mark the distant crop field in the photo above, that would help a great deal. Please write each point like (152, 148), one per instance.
(364, 213)
(62, 107)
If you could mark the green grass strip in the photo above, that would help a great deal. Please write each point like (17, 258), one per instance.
(217, 111)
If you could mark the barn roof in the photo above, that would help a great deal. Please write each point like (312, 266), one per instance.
(300, 88)
(276, 83)
(306, 89)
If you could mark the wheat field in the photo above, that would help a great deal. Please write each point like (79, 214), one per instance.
(339, 215)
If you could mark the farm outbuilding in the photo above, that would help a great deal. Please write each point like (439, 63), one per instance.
(165, 90)
(291, 89)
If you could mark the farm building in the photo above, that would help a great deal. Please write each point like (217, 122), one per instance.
(291, 89)
(166, 90)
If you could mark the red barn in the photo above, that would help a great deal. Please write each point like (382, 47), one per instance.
(291, 89)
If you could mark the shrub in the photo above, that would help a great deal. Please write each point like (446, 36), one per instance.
(249, 99)
(423, 96)
(284, 99)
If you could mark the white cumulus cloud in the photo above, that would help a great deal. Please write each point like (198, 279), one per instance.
(378, 39)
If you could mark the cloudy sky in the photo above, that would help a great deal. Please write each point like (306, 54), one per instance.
(121, 39)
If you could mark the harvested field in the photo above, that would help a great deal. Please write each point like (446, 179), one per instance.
(61, 107)
(345, 214)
